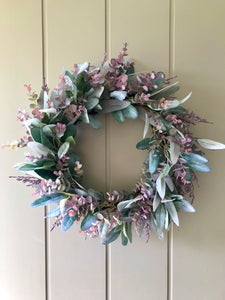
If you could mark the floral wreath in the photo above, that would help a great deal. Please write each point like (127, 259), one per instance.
(55, 171)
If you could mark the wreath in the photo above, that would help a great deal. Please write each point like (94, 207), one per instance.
(55, 171)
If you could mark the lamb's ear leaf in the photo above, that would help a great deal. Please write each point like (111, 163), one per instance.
(172, 212)
(130, 112)
(118, 116)
(124, 239)
(96, 124)
(63, 149)
(113, 105)
(111, 235)
(209, 144)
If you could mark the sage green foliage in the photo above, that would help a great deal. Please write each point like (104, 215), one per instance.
(173, 154)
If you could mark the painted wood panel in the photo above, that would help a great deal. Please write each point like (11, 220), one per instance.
(139, 270)
(76, 32)
(199, 260)
(22, 271)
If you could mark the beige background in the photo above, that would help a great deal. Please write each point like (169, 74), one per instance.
(181, 37)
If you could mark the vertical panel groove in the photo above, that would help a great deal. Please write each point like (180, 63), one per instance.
(44, 74)
(171, 72)
(107, 155)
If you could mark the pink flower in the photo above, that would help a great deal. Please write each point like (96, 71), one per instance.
(37, 114)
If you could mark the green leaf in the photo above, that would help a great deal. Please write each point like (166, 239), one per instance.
(195, 158)
(119, 95)
(46, 174)
(79, 81)
(70, 140)
(36, 134)
(160, 216)
(172, 212)
(45, 163)
(113, 105)
(46, 200)
(112, 235)
(38, 148)
(130, 69)
(154, 160)
(91, 103)
(174, 151)
(71, 130)
(128, 228)
(46, 140)
(84, 117)
(118, 116)
(67, 222)
(96, 195)
(124, 239)
(161, 187)
(28, 167)
(203, 168)
(88, 221)
(103, 229)
(209, 144)
(63, 149)
(96, 124)
(172, 89)
(54, 212)
(67, 73)
(177, 110)
(184, 205)
(145, 143)
(130, 112)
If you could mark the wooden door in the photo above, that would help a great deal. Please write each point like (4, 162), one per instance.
(179, 37)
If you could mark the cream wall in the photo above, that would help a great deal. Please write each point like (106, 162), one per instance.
(181, 37)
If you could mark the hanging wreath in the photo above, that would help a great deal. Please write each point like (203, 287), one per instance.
(55, 171)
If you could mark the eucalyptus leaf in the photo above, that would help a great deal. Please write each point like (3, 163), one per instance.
(84, 117)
